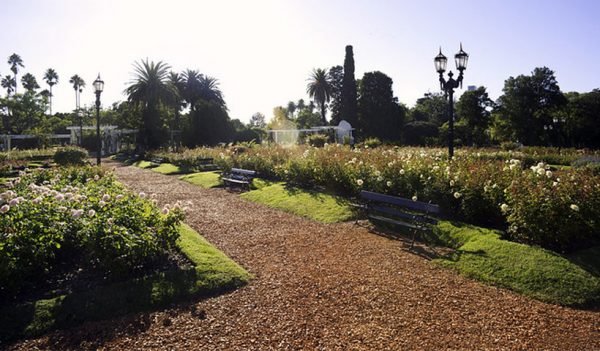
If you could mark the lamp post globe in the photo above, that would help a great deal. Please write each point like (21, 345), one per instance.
(447, 86)
(98, 87)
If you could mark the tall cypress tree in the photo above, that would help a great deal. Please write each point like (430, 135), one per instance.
(349, 98)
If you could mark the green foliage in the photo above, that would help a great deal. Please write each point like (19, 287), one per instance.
(213, 272)
(529, 270)
(349, 95)
(557, 211)
(70, 156)
(526, 108)
(317, 140)
(49, 215)
(481, 186)
(336, 78)
(319, 89)
(379, 114)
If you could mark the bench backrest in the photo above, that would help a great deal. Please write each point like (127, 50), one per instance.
(244, 172)
(400, 202)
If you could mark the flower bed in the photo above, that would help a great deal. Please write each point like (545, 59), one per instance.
(535, 202)
(48, 217)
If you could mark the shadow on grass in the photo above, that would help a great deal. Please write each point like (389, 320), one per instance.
(213, 274)
(154, 292)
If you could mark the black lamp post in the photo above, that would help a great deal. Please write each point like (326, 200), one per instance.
(448, 87)
(98, 87)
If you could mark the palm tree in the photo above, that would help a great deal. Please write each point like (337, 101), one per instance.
(8, 83)
(209, 91)
(29, 82)
(178, 84)
(51, 78)
(78, 85)
(149, 89)
(15, 61)
(319, 89)
(191, 87)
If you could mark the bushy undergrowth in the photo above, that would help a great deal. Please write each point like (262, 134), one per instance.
(538, 203)
(70, 156)
(78, 214)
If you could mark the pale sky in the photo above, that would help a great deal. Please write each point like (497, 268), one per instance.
(263, 51)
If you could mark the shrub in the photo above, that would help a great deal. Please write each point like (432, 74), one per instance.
(371, 143)
(556, 211)
(317, 140)
(70, 156)
(48, 216)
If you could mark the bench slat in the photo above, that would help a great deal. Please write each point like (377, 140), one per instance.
(398, 201)
(398, 213)
(243, 171)
(397, 222)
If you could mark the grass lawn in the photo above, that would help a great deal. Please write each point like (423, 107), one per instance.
(213, 273)
(529, 270)
(203, 179)
(310, 204)
(163, 168)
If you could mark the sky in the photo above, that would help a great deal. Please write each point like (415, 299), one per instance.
(263, 51)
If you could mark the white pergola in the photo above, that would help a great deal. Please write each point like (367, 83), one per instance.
(290, 136)
(111, 137)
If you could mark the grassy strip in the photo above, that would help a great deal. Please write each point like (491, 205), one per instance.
(213, 273)
(531, 271)
(163, 168)
(310, 204)
(204, 180)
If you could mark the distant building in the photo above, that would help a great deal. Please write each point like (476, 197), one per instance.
(471, 88)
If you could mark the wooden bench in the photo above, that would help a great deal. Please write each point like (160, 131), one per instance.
(206, 164)
(238, 178)
(415, 216)
(156, 161)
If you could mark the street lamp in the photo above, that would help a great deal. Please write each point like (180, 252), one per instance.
(98, 87)
(449, 85)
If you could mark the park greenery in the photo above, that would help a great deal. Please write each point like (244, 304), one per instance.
(188, 109)
(538, 196)
(80, 222)
(483, 254)
(526, 169)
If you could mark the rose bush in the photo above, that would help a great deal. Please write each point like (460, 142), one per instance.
(82, 214)
(501, 189)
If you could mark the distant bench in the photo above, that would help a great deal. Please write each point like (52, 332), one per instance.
(206, 164)
(397, 211)
(156, 161)
(238, 178)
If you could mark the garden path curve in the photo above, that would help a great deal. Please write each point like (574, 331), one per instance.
(325, 287)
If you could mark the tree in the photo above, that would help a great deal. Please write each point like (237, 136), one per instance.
(29, 82)
(191, 87)
(526, 107)
(349, 98)
(8, 83)
(300, 104)
(576, 124)
(51, 78)
(15, 62)
(336, 78)
(473, 110)
(257, 121)
(319, 89)
(379, 114)
(210, 91)
(150, 91)
(291, 108)
(78, 85)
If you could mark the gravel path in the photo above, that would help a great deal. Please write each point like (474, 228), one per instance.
(325, 287)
